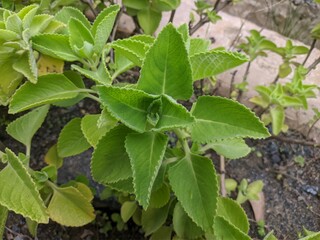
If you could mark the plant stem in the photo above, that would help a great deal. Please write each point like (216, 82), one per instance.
(183, 140)
(94, 98)
(301, 142)
(173, 12)
(222, 176)
(276, 79)
(312, 126)
(310, 51)
(314, 64)
(245, 78)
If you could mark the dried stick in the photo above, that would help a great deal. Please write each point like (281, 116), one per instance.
(173, 12)
(294, 141)
(313, 44)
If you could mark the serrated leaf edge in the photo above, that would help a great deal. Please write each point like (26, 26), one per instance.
(154, 174)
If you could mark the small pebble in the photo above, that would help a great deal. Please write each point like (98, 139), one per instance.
(313, 190)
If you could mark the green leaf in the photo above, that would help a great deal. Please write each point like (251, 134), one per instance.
(14, 23)
(224, 230)
(163, 233)
(3, 219)
(219, 118)
(184, 227)
(160, 196)
(136, 4)
(278, 117)
(110, 162)
(91, 131)
(7, 35)
(166, 5)
(70, 208)
(231, 148)
(270, 236)
(198, 45)
(78, 35)
(49, 89)
(66, 13)
(146, 151)
(39, 23)
(134, 50)
(128, 208)
(193, 180)
(27, 66)
(173, 115)
(71, 139)
(52, 158)
(284, 70)
(149, 20)
(25, 199)
(166, 69)
(125, 186)
(211, 63)
(54, 45)
(103, 26)
(314, 236)
(231, 211)
(128, 105)
(23, 128)
(153, 218)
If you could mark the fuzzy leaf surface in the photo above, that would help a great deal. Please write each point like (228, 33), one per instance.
(194, 182)
(166, 69)
(54, 45)
(198, 45)
(183, 225)
(219, 118)
(91, 131)
(224, 230)
(231, 211)
(71, 139)
(49, 89)
(153, 218)
(67, 12)
(70, 208)
(128, 105)
(25, 199)
(211, 63)
(233, 148)
(146, 151)
(149, 20)
(110, 162)
(23, 128)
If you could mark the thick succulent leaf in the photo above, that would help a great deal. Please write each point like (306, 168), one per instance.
(220, 118)
(14, 23)
(184, 227)
(125, 186)
(19, 192)
(110, 162)
(211, 63)
(160, 196)
(198, 45)
(101, 75)
(103, 26)
(39, 23)
(231, 211)
(7, 35)
(149, 20)
(122, 64)
(66, 13)
(49, 89)
(3, 219)
(10, 79)
(136, 4)
(153, 218)
(314, 236)
(146, 151)
(69, 207)
(173, 115)
(166, 5)
(163, 233)
(54, 45)
(128, 105)
(166, 69)
(224, 230)
(78, 34)
(230, 148)
(134, 50)
(270, 236)
(184, 31)
(278, 117)
(91, 131)
(128, 208)
(27, 66)
(194, 181)
(52, 158)
(23, 128)
(71, 139)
